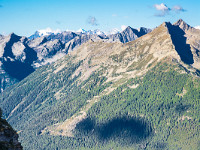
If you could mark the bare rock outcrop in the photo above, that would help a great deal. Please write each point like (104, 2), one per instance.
(8, 137)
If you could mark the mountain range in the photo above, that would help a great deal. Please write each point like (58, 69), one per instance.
(20, 56)
(137, 94)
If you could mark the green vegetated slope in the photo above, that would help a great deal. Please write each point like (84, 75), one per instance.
(139, 95)
(163, 118)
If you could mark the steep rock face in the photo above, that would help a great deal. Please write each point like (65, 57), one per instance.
(16, 59)
(81, 39)
(192, 41)
(129, 34)
(53, 47)
(15, 48)
(64, 37)
(34, 36)
(180, 43)
(183, 25)
(8, 137)
(47, 50)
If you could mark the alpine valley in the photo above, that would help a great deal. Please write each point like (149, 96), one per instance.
(138, 89)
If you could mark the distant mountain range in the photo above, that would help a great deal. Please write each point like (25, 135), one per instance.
(49, 31)
(20, 56)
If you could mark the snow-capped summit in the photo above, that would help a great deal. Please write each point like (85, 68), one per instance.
(91, 32)
(97, 32)
(48, 31)
(197, 27)
(81, 30)
(44, 32)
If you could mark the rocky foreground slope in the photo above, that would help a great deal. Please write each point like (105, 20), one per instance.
(143, 94)
(8, 137)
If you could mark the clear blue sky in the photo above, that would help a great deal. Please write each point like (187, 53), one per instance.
(24, 17)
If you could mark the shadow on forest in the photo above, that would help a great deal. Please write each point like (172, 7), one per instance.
(124, 130)
(180, 108)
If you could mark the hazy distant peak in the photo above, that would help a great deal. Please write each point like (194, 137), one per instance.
(91, 32)
(144, 30)
(81, 30)
(44, 32)
(128, 28)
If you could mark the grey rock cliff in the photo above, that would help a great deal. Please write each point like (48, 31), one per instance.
(16, 59)
(8, 137)
(129, 34)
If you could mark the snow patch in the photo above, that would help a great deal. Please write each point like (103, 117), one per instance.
(197, 27)
(81, 30)
(91, 32)
(48, 31)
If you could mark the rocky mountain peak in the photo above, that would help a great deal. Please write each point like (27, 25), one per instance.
(180, 21)
(13, 37)
(128, 28)
(164, 24)
(144, 30)
(182, 24)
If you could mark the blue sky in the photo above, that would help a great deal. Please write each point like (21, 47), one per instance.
(24, 17)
